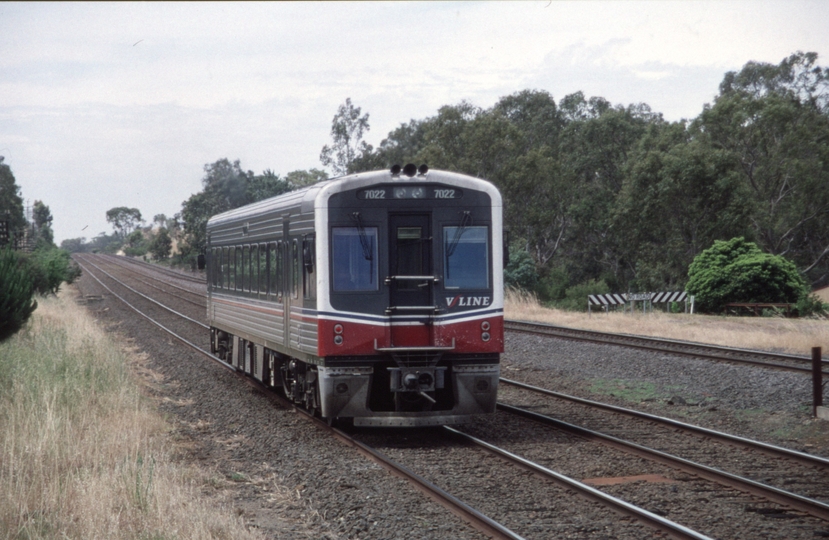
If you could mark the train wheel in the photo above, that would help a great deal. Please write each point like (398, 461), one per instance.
(312, 399)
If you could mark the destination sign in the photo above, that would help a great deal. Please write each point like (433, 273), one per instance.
(409, 192)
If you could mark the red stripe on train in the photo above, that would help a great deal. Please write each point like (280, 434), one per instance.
(359, 338)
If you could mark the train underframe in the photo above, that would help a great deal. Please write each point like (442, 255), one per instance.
(413, 388)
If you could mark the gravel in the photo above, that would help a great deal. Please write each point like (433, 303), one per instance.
(766, 404)
(258, 450)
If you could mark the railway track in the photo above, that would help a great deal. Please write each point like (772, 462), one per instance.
(771, 360)
(786, 498)
(813, 507)
(478, 520)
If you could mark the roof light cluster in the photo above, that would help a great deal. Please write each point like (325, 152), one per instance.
(409, 170)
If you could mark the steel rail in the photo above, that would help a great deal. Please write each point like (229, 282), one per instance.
(776, 451)
(146, 269)
(810, 506)
(474, 518)
(711, 352)
(156, 287)
(170, 272)
(667, 526)
(171, 310)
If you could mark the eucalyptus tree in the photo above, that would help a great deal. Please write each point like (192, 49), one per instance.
(679, 196)
(124, 220)
(774, 119)
(11, 203)
(597, 142)
(225, 186)
(347, 129)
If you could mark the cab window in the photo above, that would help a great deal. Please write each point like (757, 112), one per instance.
(354, 258)
(466, 257)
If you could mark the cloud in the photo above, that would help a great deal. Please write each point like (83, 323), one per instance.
(114, 104)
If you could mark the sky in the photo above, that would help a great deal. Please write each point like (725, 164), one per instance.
(123, 104)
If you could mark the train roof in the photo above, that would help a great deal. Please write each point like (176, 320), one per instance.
(317, 195)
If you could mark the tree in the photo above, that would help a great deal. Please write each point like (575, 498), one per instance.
(521, 273)
(739, 271)
(161, 245)
(347, 129)
(680, 194)
(41, 215)
(49, 268)
(16, 293)
(597, 142)
(124, 220)
(226, 186)
(42, 225)
(11, 203)
(774, 120)
(74, 245)
(135, 239)
(267, 185)
(303, 178)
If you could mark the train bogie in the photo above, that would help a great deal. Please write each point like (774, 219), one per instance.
(376, 297)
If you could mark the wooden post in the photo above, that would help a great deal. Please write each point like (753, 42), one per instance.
(817, 380)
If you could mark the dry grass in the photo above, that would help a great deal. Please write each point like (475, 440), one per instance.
(796, 336)
(82, 453)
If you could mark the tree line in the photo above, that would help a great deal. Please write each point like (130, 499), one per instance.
(601, 197)
(30, 263)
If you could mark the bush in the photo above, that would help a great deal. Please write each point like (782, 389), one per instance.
(16, 294)
(553, 285)
(520, 273)
(575, 297)
(49, 268)
(738, 271)
(162, 244)
(811, 305)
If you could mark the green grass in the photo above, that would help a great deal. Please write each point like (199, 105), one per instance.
(633, 391)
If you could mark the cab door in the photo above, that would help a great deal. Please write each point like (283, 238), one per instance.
(411, 279)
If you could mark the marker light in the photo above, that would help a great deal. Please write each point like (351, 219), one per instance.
(410, 169)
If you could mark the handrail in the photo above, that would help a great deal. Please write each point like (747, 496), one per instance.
(389, 279)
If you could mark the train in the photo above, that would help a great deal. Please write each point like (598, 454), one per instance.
(372, 299)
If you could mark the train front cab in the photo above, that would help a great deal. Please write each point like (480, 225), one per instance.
(411, 319)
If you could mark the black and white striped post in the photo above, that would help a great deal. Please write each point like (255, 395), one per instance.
(605, 300)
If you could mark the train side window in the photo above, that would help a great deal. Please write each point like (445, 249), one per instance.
(262, 263)
(243, 269)
(272, 265)
(231, 268)
(254, 268)
(295, 269)
(309, 282)
(279, 272)
(223, 282)
(354, 258)
(466, 257)
(240, 268)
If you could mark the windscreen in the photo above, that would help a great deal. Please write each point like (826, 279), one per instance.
(466, 257)
(354, 255)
